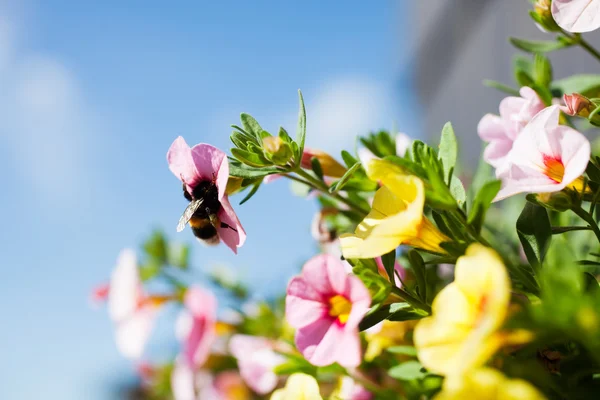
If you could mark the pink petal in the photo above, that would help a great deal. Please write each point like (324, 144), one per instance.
(232, 238)
(495, 153)
(323, 345)
(326, 274)
(303, 304)
(211, 164)
(125, 287)
(200, 333)
(182, 382)
(201, 303)
(577, 15)
(360, 298)
(272, 178)
(491, 127)
(310, 338)
(524, 169)
(181, 162)
(256, 361)
(133, 333)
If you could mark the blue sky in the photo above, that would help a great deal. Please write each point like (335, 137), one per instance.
(91, 96)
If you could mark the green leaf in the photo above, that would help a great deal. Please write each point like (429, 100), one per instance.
(284, 135)
(251, 126)
(349, 159)
(293, 365)
(523, 71)
(585, 84)
(419, 269)
(535, 233)
(336, 187)
(251, 193)
(156, 247)
(179, 255)
(593, 172)
(150, 269)
(556, 230)
(404, 312)
(482, 202)
(389, 260)
(249, 158)
(404, 350)
(373, 317)
(301, 132)
(241, 171)
(407, 371)
(316, 167)
(542, 70)
(501, 87)
(458, 190)
(537, 46)
(448, 150)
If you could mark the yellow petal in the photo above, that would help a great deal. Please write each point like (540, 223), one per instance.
(298, 387)
(461, 333)
(487, 384)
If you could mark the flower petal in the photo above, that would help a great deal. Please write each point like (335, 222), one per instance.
(304, 305)
(211, 164)
(133, 333)
(577, 15)
(181, 162)
(232, 238)
(125, 287)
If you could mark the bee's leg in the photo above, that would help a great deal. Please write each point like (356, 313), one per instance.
(224, 225)
(185, 193)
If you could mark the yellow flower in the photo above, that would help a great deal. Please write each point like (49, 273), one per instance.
(391, 334)
(396, 216)
(298, 387)
(462, 332)
(487, 384)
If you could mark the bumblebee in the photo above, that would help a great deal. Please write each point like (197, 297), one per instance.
(202, 212)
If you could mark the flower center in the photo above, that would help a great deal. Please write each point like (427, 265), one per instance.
(555, 169)
(340, 307)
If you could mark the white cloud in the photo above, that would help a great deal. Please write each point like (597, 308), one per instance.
(344, 108)
(41, 118)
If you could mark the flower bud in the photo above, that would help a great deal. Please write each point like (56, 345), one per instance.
(557, 201)
(234, 185)
(543, 16)
(329, 165)
(276, 150)
(576, 104)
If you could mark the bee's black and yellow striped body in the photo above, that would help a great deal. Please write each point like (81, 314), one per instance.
(205, 204)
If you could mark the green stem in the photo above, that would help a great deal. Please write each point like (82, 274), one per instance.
(589, 49)
(410, 299)
(585, 45)
(323, 188)
(587, 217)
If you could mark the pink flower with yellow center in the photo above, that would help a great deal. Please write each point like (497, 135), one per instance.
(325, 305)
(546, 157)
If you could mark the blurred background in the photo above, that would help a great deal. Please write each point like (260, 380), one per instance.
(93, 93)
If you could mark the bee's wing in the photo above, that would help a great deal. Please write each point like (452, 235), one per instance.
(187, 214)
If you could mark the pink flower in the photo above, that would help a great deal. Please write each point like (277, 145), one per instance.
(132, 311)
(99, 294)
(325, 305)
(196, 325)
(227, 385)
(546, 157)
(256, 361)
(203, 163)
(577, 15)
(350, 390)
(501, 131)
